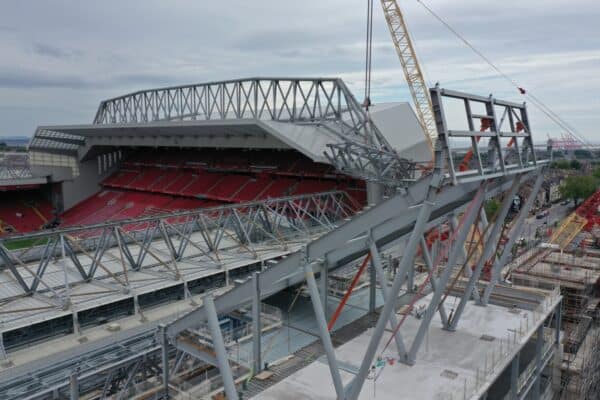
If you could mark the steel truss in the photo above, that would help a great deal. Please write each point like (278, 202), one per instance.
(407, 214)
(110, 368)
(164, 247)
(323, 102)
(14, 167)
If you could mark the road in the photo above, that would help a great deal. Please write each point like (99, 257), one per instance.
(555, 213)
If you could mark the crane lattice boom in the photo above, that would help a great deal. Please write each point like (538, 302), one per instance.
(412, 70)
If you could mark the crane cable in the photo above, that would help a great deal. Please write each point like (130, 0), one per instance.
(541, 106)
(368, 55)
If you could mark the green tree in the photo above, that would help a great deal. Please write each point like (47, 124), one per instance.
(578, 187)
(596, 173)
(491, 208)
(561, 164)
(575, 164)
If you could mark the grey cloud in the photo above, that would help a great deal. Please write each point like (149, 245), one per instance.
(283, 40)
(40, 80)
(32, 80)
(48, 50)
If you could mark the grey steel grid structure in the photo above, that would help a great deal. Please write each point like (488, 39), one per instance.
(66, 270)
(406, 214)
(14, 167)
(108, 367)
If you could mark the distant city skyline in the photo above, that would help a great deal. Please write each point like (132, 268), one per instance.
(61, 58)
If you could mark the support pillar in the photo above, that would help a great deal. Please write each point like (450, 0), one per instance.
(324, 286)
(372, 289)
(165, 360)
(74, 386)
(323, 331)
(488, 251)
(463, 253)
(455, 250)
(378, 268)
(558, 323)
(374, 193)
(256, 324)
(514, 376)
(374, 197)
(219, 346)
(539, 346)
(433, 281)
(410, 280)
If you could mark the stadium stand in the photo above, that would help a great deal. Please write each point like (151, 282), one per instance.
(23, 211)
(159, 181)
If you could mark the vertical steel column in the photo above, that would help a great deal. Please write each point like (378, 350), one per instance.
(410, 280)
(514, 235)
(323, 331)
(3, 354)
(372, 289)
(374, 197)
(488, 250)
(256, 324)
(514, 376)
(76, 326)
(463, 252)
(558, 322)
(459, 242)
(219, 346)
(165, 359)
(408, 257)
(433, 281)
(324, 285)
(539, 346)
(74, 386)
(377, 267)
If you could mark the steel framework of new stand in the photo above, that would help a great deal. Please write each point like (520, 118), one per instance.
(406, 214)
(321, 226)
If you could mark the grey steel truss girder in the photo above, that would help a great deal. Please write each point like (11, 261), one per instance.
(389, 221)
(497, 161)
(456, 249)
(488, 250)
(297, 100)
(323, 102)
(98, 368)
(201, 232)
(515, 233)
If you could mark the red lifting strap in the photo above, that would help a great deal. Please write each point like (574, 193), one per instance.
(340, 306)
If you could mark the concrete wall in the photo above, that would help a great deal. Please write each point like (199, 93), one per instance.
(85, 185)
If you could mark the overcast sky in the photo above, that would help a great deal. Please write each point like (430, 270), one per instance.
(60, 58)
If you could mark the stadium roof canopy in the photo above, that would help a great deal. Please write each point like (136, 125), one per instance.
(304, 114)
(15, 173)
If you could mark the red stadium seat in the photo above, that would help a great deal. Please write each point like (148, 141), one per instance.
(156, 181)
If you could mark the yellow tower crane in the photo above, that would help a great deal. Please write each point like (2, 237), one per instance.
(412, 71)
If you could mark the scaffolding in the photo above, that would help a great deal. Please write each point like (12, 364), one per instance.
(582, 380)
(578, 277)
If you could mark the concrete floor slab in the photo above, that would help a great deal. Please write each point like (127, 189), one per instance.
(449, 365)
